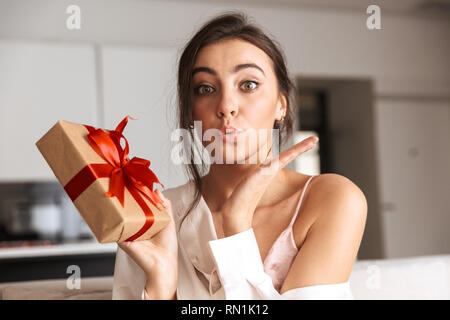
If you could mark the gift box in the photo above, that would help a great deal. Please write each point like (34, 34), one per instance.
(112, 193)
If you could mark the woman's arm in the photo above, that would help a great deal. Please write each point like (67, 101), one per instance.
(131, 283)
(323, 264)
(333, 240)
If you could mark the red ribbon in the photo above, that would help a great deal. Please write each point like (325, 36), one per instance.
(134, 174)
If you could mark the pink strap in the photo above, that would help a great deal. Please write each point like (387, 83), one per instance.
(300, 202)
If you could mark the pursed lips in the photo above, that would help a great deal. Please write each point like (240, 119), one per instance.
(231, 134)
(230, 130)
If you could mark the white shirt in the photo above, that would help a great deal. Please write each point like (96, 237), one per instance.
(211, 268)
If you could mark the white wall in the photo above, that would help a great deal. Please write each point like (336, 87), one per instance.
(408, 56)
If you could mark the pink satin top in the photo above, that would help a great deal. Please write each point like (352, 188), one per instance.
(283, 251)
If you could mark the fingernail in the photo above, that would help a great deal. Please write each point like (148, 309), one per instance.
(159, 193)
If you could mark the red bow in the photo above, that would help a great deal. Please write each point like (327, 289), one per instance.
(134, 173)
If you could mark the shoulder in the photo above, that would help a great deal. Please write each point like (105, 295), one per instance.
(330, 195)
(334, 190)
(324, 183)
(337, 200)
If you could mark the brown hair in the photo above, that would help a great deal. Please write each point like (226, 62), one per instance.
(228, 25)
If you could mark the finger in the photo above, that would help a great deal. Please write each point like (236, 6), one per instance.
(131, 247)
(286, 156)
(293, 152)
(165, 202)
(142, 252)
(125, 246)
(128, 245)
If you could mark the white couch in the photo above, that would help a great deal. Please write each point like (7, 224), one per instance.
(424, 277)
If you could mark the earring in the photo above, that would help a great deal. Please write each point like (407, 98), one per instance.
(278, 123)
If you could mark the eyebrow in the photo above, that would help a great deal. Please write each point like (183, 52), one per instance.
(236, 69)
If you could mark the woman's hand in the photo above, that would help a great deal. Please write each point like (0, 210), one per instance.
(158, 257)
(239, 208)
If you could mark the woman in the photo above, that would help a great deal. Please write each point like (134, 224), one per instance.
(252, 230)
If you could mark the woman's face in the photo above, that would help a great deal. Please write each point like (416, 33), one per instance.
(235, 85)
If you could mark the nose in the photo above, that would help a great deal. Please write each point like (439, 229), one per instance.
(227, 107)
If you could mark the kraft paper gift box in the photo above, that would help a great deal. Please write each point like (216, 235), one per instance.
(113, 194)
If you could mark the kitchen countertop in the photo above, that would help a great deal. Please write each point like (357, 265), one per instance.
(78, 248)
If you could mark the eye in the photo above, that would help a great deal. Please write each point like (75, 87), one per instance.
(199, 91)
(249, 85)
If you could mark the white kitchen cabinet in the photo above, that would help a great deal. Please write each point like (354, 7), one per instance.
(141, 82)
(414, 161)
(41, 83)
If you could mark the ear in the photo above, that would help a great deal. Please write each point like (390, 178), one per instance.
(281, 106)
